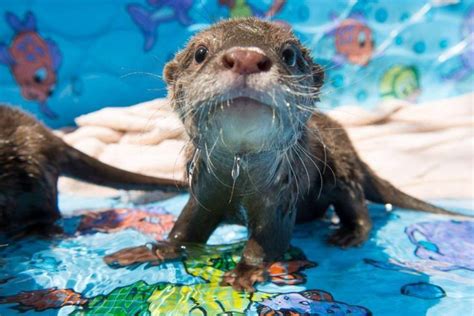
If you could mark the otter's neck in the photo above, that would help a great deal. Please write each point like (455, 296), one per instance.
(246, 172)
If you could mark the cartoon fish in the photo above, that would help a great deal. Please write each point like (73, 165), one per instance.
(354, 42)
(44, 299)
(241, 8)
(149, 221)
(238, 8)
(163, 11)
(400, 82)
(33, 61)
(310, 302)
(448, 242)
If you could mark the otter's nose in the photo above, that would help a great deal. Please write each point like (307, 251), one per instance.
(246, 61)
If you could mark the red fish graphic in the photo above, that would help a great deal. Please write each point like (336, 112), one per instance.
(33, 61)
(354, 41)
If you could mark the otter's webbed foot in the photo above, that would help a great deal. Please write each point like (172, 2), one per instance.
(352, 211)
(244, 276)
(153, 254)
(349, 237)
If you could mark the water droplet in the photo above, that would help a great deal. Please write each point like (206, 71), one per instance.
(235, 174)
(423, 290)
(192, 165)
(335, 220)
(236, 168)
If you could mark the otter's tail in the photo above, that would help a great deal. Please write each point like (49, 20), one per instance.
(381, 191)
(78, 165)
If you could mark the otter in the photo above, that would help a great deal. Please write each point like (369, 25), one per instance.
(31, 160)
(261, 154)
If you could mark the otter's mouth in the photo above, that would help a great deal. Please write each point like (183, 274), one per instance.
(246, 107)
(237, 96)
(242, 124)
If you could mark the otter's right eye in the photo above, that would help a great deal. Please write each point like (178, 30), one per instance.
(200, 54)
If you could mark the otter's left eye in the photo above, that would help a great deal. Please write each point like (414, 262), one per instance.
(289, 56)
(200, 54)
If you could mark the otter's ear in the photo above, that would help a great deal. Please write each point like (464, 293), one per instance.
(169, 73)
(318, 75)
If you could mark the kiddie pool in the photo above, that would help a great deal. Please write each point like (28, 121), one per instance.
(413, 264)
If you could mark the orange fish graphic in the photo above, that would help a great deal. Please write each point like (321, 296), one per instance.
(354, 41)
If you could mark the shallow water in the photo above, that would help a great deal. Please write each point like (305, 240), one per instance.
(399, 269)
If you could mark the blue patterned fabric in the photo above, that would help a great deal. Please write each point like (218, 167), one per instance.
(413, 264)
(63, 59)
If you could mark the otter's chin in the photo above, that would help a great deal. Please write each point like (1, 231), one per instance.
(244, 125)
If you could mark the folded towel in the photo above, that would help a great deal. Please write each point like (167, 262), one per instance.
(424, 149)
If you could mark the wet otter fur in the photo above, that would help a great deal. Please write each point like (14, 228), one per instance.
(261, 154)
(31, 160)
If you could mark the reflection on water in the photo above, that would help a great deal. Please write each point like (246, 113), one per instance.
(398, 266)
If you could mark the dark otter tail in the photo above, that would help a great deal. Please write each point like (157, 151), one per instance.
(78, 165)
(381, 191)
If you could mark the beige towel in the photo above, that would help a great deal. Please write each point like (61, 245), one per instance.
(424, 149)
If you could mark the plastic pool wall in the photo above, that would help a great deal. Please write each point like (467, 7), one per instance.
(62, 59)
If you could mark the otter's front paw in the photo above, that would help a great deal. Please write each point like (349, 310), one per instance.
(150, 253)
(244, 276)
(345, 237)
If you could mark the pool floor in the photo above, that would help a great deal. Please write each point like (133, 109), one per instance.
(413, 264)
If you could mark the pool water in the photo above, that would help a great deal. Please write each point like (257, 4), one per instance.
(415, 264)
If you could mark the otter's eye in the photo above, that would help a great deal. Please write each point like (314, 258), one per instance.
(289, 56)
(200, 54)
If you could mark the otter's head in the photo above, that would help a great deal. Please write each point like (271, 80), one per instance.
(245, 85)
